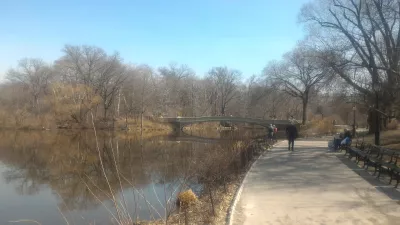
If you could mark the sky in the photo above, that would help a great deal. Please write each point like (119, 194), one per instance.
(239, 34)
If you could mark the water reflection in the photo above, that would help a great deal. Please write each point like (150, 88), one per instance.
(69, 170)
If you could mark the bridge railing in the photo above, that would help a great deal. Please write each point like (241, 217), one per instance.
(222, 118)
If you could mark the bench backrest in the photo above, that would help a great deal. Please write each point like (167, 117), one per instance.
(396, 158)
(391, 155)
(375, 150)
(360, 144)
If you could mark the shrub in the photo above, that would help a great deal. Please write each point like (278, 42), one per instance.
(318, 127)
(325, 126)
(187, 198)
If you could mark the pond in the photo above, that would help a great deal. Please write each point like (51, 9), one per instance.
(53, 176)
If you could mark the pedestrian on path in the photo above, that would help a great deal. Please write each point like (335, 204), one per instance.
(270, 133)
(275, 133)
(291, 133)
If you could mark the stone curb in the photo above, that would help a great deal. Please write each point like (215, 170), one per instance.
(229, 217)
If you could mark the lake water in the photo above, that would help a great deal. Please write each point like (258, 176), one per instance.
(48, 175)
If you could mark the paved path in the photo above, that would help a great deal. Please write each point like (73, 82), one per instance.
(310, 186)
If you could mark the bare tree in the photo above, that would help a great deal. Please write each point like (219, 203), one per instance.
(366, 38)
(299, 75)
(35, 75)
(92, 67)
(139, 92)
(146, 76)
(176, 71)
(111, 81)
(178, 82)
(225, 81)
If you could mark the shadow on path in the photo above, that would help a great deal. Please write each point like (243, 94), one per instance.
(379, 184)
(311, 186)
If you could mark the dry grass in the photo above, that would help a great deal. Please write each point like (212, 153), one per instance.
(204, 126)
(201, 210)
(226, 201)
(389, 139)
(393, 125)
(201, 213)
(25, 121)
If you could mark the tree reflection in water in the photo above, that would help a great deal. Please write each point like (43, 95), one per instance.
(145, 178)
(68, 163)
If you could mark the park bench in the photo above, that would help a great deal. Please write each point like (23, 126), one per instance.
(383, 160)
(345, 148)
(360, 144)
(377, 157)
(395, 173)
(351, 151)
(361, 153)
(389, 164)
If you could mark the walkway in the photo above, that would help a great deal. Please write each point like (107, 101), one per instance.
(310, 186)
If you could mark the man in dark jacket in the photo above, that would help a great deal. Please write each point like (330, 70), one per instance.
(270, 132)
(291, 133)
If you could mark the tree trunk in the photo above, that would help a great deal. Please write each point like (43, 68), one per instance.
(377, 121)
(304, 118)
(105, 113)
(222, 109)
(119, 102)
(371, 121)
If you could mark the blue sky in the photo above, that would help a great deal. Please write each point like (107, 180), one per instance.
(240, 34)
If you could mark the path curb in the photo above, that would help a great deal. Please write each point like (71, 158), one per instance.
(229, 217)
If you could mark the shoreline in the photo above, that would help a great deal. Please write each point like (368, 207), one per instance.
(230, 195)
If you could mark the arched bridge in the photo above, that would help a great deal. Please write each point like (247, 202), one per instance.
(180, 122)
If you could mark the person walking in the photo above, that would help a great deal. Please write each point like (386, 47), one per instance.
(270, 133)
(275, 133)
(291, 133)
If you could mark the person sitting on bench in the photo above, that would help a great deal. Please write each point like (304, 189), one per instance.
(347, 138)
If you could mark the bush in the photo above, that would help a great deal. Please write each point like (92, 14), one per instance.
(186, 198)
(318, 127)
(325, 126)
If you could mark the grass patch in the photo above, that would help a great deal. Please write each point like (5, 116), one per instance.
(203, 126)
(389, 139)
